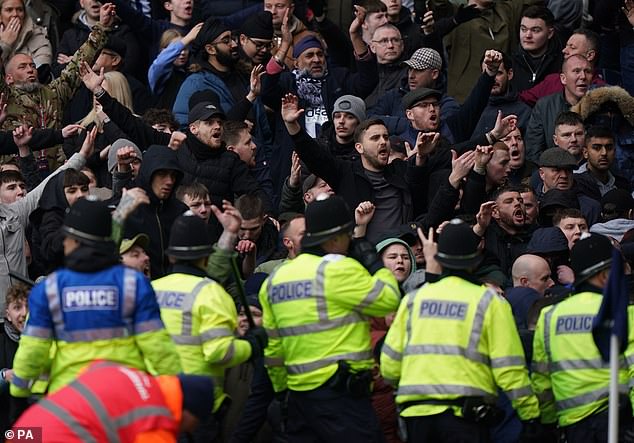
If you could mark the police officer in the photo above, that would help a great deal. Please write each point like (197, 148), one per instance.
(200, 316)
(568, 374)
(94, 308)
(453, 343)
(315, 311)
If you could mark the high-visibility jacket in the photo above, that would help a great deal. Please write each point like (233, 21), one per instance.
(315, 311)
(454, 339)
(106, 315)
(109, 403)
(202, 320)
(568, 374)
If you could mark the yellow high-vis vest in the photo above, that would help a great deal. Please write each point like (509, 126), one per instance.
(453, 339)
(568, 375)
(315, 311)
(202, 319)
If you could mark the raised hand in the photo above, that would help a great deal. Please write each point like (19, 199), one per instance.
(492, 61)
(294, 180)
(130, 200)
(460, 167)
(483, 218)
(88, 147)
(429, 24)
(22, 135)
(125, 156)
(430, 248)
(363, 213)
(483, 155)
(176, 140)
(255, 82)
(359, 18)
(287, 35)
(107, 14)
(229, 217)
(426, 143)
(504, 125)
(290, 108)
(192, 34)
(91, 80)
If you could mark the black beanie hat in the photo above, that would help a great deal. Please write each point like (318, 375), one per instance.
(259, 25)
(208, 33)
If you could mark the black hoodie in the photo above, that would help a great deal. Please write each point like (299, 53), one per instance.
(156, 219)
(47, 220)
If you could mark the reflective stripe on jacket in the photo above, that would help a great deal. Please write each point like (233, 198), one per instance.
(454, 339)
(568, 375)
(202, 320)
(315, 311)
(110, 314)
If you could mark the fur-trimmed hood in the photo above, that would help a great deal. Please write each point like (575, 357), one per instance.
(593, 100)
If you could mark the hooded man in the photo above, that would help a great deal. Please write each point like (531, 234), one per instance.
(159, 176)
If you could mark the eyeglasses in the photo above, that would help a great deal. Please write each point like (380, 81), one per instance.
(427, 105)
(225, 41)
(384, 41)
(261, 45)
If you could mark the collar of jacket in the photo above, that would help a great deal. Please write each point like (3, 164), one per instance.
(521, 237)
(464, 275)
(588, 287)
(200, 150)
(509, 97)
(92, 258)
(187, 268)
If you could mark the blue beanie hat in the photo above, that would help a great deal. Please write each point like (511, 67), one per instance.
(198, 395)
(307, 42)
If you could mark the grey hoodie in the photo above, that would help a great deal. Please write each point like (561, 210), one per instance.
(13, 221)
(614, 228)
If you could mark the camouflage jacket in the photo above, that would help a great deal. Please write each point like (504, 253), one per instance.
(44, 107)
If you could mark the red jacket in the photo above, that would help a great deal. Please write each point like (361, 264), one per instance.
(109, 402)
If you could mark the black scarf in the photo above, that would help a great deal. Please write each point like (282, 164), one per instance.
(200, 150)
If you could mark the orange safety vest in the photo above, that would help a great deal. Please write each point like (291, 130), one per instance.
(108, 403)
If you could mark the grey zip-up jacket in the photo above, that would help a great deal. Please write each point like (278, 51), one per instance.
(14, 219)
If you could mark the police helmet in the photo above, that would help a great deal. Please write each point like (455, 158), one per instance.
(458, 246)
(326, 217)
(591, 254)
(189, 238)
(88, 221)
